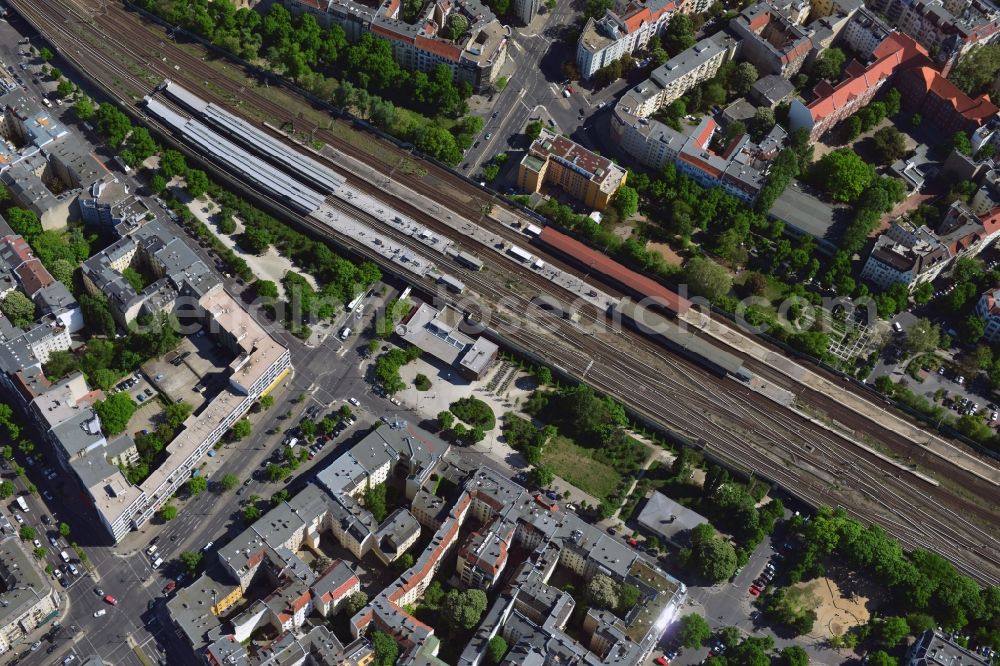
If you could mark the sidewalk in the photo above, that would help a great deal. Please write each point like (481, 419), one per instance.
(875, 413)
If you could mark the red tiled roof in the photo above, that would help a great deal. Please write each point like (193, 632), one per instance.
(634, 20)
(599, 262)
(977, 110)
(33, 276)
(438, 47)
(896, 52)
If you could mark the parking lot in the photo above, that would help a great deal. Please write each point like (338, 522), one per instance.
(192, 372)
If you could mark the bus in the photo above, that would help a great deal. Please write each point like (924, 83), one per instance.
(21, 503)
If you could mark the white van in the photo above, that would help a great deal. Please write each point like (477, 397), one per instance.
(151, 550)
(46, 102)
(157, 562)
(21, 503)
(65, 556)
(346, 333)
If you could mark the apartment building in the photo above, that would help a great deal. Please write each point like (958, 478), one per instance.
(769, 40)
(476, 57)
(557, 161)
(109, 203)
(614, 35)
(27, 597)
(864, 32)
(42, 163)
(946, 29)
(911, 255)
(833, 103)
(738, 168)
(941, 104)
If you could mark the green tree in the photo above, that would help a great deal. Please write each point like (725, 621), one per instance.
(881, 658)
(27, 533)
(374, 501)
(829, 64)
(543, 375)
(196, 182)
(64, 530)
(7, 489)
(242, 429)
(229, 481)
(113, 124)
(266, 402)
(18, 308)
(41, 552)
(923, 336)
(433, 595)
(707, 278)
(542, 475)
(743, 78)
(462, 610)
(679, 34)
(251, 513)
(794, 655)
(626, 201)
(711, 557)
(693, 631)
(354, 603)
(172, 163)
(960, 142)
(24, 222)
(890, 144)
(602, 592)
(45, 53)
(196, 485)
(843, 174)
(65, 88)
(386, 649)
(168, 512)
(533, 129)
(496, 649)
(84, 108)
(191, 561)
(115, 412)
(891, 630)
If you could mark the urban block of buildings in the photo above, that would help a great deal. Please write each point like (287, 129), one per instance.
(503, 537)
(556, 161)
(615, 35)
(27, 598)
(739, 167)
(64, 412)
(58, 313)
(945, 28)
(769, 40)
(476, 57)
(831, 103)
(910, 254)
(42, 163)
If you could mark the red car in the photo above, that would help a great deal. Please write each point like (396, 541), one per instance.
(110, 599)
(633, 542)
(754, 590)
(169, 587)
(662, 662)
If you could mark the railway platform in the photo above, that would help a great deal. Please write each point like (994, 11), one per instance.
(879, 415)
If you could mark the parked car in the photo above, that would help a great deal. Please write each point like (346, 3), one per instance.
(170, 586)
(101, 613)
(754, 590)
(110, 600)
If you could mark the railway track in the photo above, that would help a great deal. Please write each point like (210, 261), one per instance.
(725, 418)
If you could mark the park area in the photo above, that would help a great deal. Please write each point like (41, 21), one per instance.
(576, 464)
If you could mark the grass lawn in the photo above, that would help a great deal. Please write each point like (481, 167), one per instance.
(576, 465)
